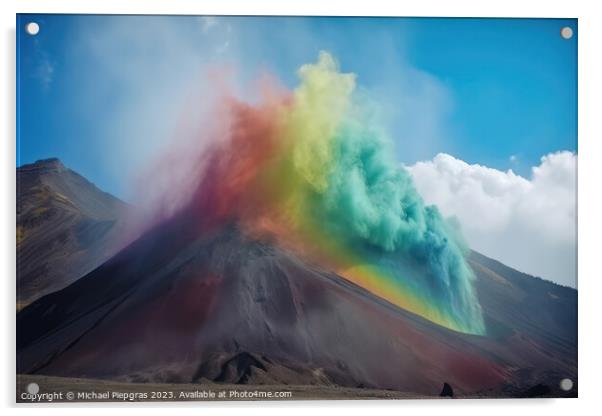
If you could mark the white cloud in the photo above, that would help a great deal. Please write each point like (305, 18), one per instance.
(529, 224)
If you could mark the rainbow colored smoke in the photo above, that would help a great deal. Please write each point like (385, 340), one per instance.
(311, 170)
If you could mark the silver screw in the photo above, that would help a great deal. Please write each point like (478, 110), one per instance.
(32, 28)
(566, 384)
(33, 388)
(566, 32)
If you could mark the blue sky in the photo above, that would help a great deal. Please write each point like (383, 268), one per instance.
(101, 92)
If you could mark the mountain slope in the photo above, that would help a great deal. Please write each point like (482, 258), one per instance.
(65, 228)
(182, 306)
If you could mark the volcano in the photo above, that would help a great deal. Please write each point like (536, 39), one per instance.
(183, 305)
(66, 227)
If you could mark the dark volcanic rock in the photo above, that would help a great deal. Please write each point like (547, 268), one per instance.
(187, 305)
(539, 390)
(225, 307)
(447, 391)
(65, 228)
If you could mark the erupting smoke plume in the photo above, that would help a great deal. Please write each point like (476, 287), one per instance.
(312, 171)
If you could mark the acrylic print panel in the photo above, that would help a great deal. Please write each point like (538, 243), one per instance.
(283, 208)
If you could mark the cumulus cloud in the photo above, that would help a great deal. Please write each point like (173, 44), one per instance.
(527, 223)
